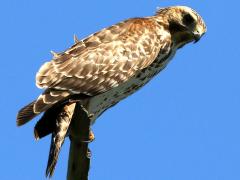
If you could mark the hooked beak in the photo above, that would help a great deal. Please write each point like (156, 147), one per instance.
(197, 37)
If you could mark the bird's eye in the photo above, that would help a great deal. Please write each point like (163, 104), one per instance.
(188, 19)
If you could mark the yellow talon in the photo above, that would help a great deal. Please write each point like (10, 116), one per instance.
(91, 136)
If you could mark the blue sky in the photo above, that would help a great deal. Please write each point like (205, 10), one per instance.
(183, 125)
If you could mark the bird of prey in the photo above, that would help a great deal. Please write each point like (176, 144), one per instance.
(106, 67)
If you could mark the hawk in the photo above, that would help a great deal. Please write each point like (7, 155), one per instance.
(106, 67)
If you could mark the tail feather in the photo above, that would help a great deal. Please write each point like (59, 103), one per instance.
(58, 136)
(47, 123)
(26, 114)
(43, 103)
(55, 147)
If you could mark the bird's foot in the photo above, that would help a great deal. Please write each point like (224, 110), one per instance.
(90, 138)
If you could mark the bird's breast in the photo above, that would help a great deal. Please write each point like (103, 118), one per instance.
(98, 104)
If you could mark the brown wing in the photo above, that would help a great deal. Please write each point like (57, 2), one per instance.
(98, 63)
(105, 59)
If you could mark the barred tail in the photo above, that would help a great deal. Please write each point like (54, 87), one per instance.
(43, 103)
(26, 114)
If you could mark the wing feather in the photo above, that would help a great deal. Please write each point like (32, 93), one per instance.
(105, 59)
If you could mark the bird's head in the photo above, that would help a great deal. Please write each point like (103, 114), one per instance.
(185, 24)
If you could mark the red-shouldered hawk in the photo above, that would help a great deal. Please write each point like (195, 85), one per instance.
(108, 66)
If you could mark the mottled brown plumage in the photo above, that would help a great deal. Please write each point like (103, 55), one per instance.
(58, 136)
(111, 64)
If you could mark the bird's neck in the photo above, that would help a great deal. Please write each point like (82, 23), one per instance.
(180, 39)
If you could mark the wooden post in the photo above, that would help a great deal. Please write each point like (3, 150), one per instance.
(79, 154)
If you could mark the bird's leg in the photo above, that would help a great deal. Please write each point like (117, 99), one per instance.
(81, 135)
(91, 136)
(87, 139)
